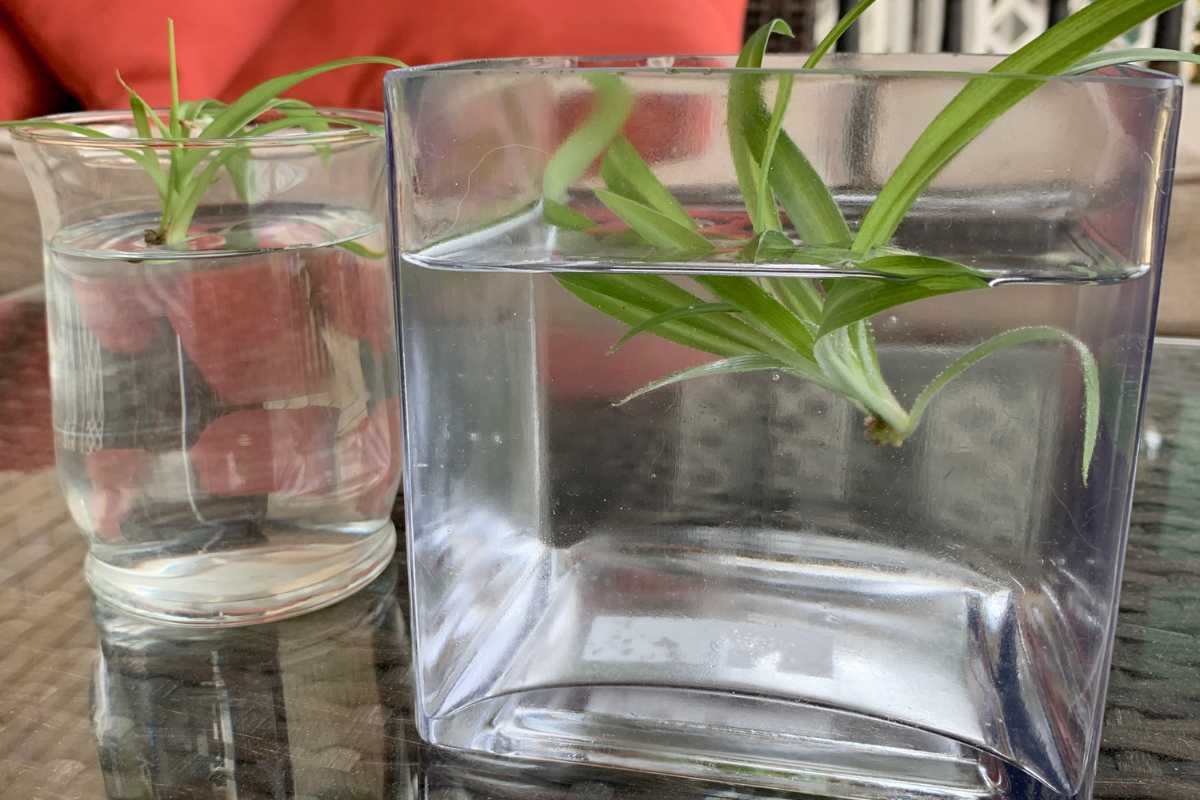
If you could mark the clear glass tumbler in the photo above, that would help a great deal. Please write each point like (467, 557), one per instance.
(673, 504)
(225, 387)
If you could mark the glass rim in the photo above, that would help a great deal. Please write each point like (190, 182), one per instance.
(667, 66)
(35, 134)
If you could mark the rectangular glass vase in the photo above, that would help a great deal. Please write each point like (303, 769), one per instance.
(755, 575)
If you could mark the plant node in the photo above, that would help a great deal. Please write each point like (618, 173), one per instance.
(879, 432)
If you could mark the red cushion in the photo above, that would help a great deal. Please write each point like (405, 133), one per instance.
(224, 50)
(27, 87)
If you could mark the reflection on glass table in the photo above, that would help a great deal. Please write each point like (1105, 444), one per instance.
(311, 707)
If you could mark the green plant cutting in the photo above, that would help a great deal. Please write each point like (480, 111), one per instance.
(816, 330)
(190, 168)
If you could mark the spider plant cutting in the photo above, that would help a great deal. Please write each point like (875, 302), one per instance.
(191, 168)
(217, 300)
(816, 330)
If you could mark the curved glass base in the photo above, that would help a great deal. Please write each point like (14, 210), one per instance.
(285, 577)
(732, 737)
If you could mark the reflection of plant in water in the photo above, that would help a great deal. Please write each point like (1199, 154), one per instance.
(813, 329)
(190, 167)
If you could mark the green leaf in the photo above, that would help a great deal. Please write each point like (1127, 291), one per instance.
(762, 178)
(798, 295)
(310, 123)
(835, 33)
(587, 142)
(627, 174)
(251, 105)
(985, 98)
(176, 226)
(763, 244)
(146, 160)
(67, 127)
(911, 265)
(761, 309)
(173, 69)
(852, 300)
(743, 115)
(862, 339)
(144, 116)
(809, 204)
(729, 366)
(655, 227)
(774, 247)
(1128, 55)
(1015, 338)
(650, 323)
(656, 294)
(362, 251)
(839, 357)
(608, 298)
(240, 173)
(564, 216)
(192, 110)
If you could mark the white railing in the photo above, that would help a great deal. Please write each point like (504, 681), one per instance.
(983, 26)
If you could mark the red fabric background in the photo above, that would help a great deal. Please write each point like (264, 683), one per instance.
(71, 47)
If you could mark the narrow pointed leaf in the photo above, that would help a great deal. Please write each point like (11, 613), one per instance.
(654, 295)
(587, 142)
(362, 251)
(841, 363)
(173, 70)
(984, 99)
(761, 309)
(655, 227)
(193, 110)
(658, 320)
(251, 104)
(633, 314)
(184, 207)
(911, 265)
(762, 177)
(240, 173)
(858, 299)
(744, 113)
(729, 366)
(1128, 55)
(810, 206)
(626, 173)
(563, 216)
(799, 296)
(836, 32)
(148, 161)
(66, 127)
(862, 339)
(145, 118)
(1015, 338)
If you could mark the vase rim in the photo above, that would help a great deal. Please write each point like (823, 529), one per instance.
(35, 134)
(890, 66)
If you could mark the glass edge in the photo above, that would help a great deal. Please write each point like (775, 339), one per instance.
(32, 134)
(1144, 77)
